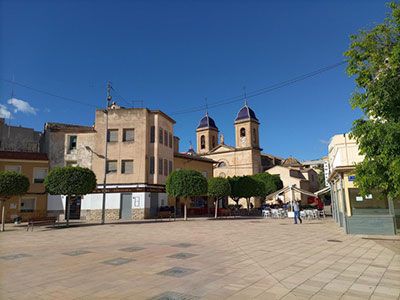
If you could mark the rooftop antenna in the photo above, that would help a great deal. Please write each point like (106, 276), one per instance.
(109, 97)
(244, 95)
(12, 87)
(205, 99)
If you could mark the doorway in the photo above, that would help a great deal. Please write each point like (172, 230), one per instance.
(75, 208)
(126, 207)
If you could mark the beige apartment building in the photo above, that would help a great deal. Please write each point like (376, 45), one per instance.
(140, 156)
(357, 214)
(35, 166)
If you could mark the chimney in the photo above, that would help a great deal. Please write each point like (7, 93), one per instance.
(176, 144)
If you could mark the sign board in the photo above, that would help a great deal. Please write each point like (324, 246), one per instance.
(352, 177)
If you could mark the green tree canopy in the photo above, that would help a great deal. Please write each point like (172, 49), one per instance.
(13, 184)
(186, 183)
(374, 61)
(218, 187)
(272, 183)
(245, 187)
(70, 181)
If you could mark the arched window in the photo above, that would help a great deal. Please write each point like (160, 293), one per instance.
(242, 132)
(202, 142)
(213, 142)
(254, 136)
(221, 164)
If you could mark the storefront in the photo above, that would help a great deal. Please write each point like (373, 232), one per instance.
(371, 214)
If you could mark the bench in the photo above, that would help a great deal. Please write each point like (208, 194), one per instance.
(41, 222)
(224, 212)
(165, 212)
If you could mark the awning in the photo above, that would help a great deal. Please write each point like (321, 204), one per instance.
(323, 191)
(288, 189)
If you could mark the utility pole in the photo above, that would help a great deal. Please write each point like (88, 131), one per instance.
(103, 210)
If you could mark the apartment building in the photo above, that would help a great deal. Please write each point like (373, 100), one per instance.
(140, 155)
(35, 167)
(357, 214)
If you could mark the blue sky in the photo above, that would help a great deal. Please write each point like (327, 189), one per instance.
(173, 54)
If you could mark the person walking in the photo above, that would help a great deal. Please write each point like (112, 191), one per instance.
(296, 210)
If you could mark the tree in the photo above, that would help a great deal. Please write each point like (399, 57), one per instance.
(186, 184)
(70, 181)
(11, 184)
(272, 183)
(218, 188)
(245, 187)
(374, 60)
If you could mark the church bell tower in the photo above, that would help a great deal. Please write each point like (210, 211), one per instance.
(246, 128)
(206, 135)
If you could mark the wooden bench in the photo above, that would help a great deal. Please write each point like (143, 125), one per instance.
(41, 222)
(224, 212)
(165, 214)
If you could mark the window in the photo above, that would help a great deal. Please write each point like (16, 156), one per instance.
(170, 140)
(27, 205)
(152, 134)
(39, 174)
(254, 136)
(151, 165)
(165, 167)
(166, 138)
(127, 167)
(242, 132)
(128, 135)
(72, 142)
(160, 136)
(160, 166)
(170, 167)
(202, 142)
(213, 142)
(111, 166)
(13, 168)
(221, 164)
(112, 135)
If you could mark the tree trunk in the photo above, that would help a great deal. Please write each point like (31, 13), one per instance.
(216, 208)
(67, 207)
(3, 208)
(185, 210)
(248, 205)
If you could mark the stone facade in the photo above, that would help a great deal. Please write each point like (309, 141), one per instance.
(17, 138)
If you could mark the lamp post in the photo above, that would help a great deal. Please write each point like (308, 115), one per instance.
(103, 210)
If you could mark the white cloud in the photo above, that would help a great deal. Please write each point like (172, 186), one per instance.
(46, 110)
(4, 112)
(22, 106)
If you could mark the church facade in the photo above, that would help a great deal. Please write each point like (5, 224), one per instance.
(244, 158)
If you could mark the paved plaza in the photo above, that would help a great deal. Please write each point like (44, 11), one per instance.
(198, 259)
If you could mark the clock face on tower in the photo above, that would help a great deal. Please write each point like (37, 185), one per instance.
(243, 140)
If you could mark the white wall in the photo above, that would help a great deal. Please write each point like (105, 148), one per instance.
(55, 202)
(113, 201)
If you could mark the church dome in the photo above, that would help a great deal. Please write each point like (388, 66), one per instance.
(246, 113)
(207, 122)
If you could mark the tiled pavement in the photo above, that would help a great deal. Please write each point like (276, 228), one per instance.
(198, 259)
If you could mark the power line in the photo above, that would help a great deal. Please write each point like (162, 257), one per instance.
(225, 101)
(261, 91)
(47, 93)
